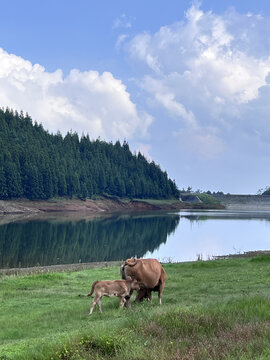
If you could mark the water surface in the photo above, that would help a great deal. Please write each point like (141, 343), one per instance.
(167, 236)
(206, 234)
(28, 243)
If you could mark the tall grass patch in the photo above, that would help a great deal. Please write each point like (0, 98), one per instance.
(207, 334)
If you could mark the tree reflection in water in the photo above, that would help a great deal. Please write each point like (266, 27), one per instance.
(49, 242)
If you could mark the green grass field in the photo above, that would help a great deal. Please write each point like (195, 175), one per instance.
(211, 310)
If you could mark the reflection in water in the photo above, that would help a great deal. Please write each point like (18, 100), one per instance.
(211, 233)
(45, 242)
(225, 215)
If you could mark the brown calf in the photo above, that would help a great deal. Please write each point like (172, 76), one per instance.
(120, 288)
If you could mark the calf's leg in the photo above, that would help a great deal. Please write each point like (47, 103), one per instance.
(96, 300)
(122, 301)
(127, 302)
(99, 304)
(127, 298)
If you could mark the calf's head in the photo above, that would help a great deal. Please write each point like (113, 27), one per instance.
(135, 285)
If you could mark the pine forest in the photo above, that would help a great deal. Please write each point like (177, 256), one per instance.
(35, 164)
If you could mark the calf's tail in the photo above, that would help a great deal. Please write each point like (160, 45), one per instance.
(93, 288)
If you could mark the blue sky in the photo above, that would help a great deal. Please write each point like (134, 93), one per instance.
(186, 83)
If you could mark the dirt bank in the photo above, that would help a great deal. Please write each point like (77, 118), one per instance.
(104, 205)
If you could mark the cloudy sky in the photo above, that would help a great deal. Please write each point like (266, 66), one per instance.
(185, 82)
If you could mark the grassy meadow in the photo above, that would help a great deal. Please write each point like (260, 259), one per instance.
(216, 309)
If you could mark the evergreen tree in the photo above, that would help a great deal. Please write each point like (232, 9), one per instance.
(130, 189)
(39, 165)
(13, 180)
(3, 185)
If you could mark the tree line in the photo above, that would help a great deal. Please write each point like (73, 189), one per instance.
(35, 164)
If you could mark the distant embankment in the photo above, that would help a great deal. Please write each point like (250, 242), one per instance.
(245, 202)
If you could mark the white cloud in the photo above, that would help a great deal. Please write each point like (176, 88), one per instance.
(82, 101)
(140, 46)
(202, 143)
(120, 40)
(164, 97)
(207, 71)
(123, 21)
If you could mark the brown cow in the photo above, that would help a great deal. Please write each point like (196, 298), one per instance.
(150, 275)
(120, 288)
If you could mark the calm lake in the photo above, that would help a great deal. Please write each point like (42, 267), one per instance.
(179, 236)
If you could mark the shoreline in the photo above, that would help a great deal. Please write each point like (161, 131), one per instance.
(111, 204)
(103, 264)
(57, 268)
(94, 207)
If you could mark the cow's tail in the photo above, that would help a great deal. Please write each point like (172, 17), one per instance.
(93, 288)
(163, 276)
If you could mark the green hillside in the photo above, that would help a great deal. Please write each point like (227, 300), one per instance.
(35, 164)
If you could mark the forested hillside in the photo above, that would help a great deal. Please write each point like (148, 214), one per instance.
(35, 164)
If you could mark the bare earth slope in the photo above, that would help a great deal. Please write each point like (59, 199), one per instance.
(25, 206)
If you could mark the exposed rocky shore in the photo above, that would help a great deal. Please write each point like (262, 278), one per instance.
(104, 205)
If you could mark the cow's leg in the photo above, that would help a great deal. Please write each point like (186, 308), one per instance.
(96, 299)
(161, 287)
(140, 295)
(149, 296)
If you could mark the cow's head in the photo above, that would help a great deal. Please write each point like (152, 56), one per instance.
(131, 262)
(123, 274)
